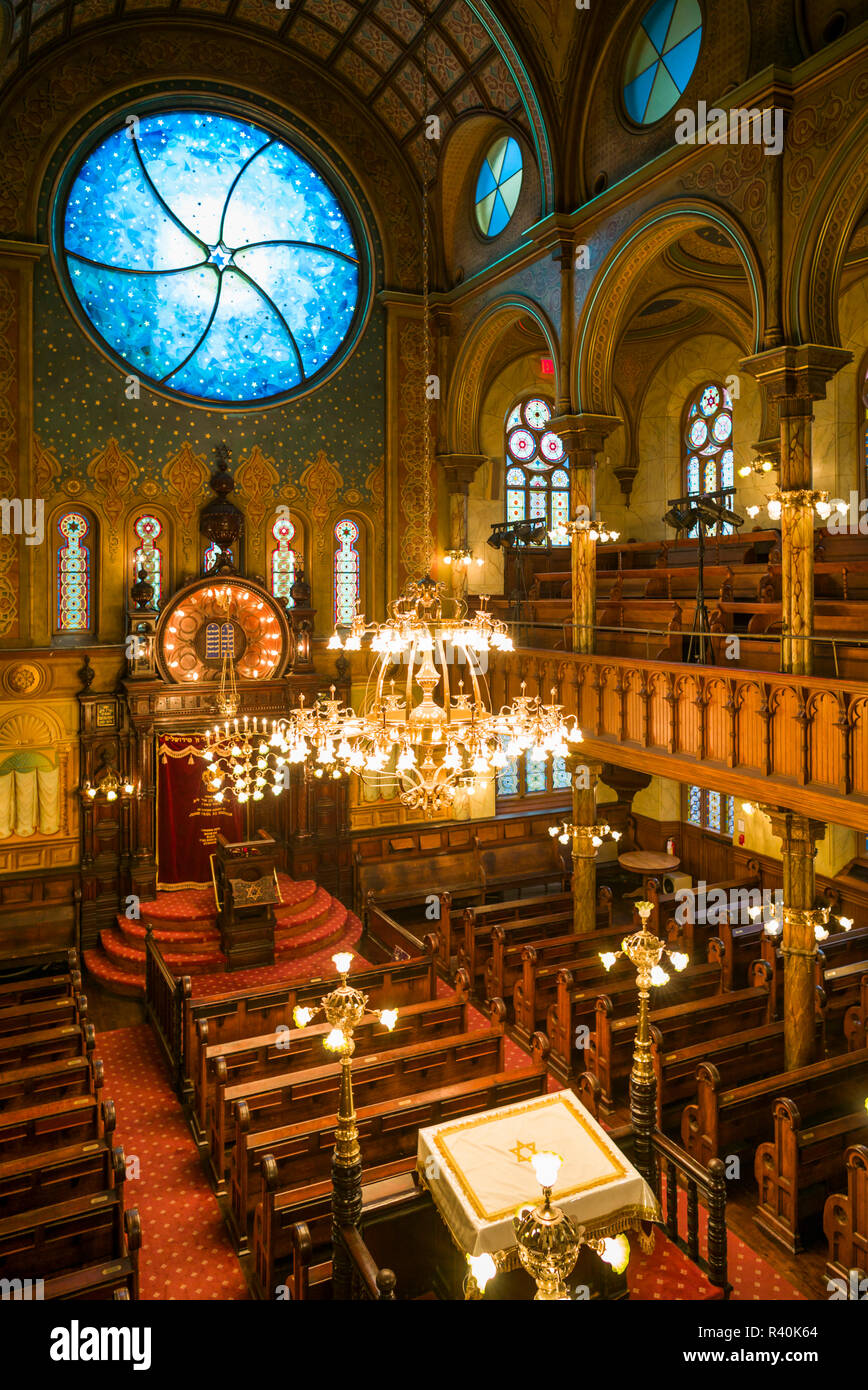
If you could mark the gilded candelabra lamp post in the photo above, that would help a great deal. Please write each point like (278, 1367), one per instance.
(645, 951)
(344, 1009)
(548, 1242)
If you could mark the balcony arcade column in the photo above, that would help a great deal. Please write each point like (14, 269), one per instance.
(795, 377)
(798, 836)
(583, 775)
(583, 438)
(459, 471)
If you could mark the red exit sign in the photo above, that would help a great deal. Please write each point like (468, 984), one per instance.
(547, 366)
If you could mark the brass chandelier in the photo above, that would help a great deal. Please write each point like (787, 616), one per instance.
(435, 748)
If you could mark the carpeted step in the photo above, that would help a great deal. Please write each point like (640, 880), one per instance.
(113, 976)
(203, 939)
(327, 931)
(124, 953)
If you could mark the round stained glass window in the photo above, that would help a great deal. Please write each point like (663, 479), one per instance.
(498, 186)
(661, 59)
(522, 445)
(211, 258)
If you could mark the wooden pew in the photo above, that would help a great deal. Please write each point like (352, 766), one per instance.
(407, 880)
(43, 1178)
(27, 1087)
(514, 917)
(59, 1123)
(287, 1048)
(69, 1239)
(222, 1018)
(42, 1013)
(797, 1168)
(535, 990)
(534, 863)
(611, 1052)
(550, 947)
(576, 1007)
(294, 1172)
(839, 949)
(856, 1019)
(842, 987)
(694, 935)
(725, 1121)
(47, 1045)
(309, 1275)
(300, 1050)
(845, 1218)
(739, 1057)
(36, 987)
(309, 1094)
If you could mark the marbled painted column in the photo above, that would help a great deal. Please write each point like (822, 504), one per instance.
(797, 534)
(584, 437)
(798, 836)
(795, 377)
(584, 781)
(459, 471)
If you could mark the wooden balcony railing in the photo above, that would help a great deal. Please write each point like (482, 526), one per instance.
(794, 741)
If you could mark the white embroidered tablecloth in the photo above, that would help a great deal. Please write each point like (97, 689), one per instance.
(479, 1172)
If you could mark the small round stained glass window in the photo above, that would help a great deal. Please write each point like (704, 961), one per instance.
(210, 258)
(661, 59)
(522, 445)
(498, 186)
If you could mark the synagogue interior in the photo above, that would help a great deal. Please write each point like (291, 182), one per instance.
(434, 651)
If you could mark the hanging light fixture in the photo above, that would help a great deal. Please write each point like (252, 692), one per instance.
(581, 526)
(804, 497)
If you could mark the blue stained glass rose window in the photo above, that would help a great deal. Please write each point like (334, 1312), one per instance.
(211, 257)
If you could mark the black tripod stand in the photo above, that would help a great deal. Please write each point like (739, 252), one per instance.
(699, 512)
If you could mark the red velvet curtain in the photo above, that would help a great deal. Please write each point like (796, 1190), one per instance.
(188, 817)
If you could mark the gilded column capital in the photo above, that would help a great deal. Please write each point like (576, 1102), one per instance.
(791, 371)
(796, 832)
(585, 432)
(459, 470)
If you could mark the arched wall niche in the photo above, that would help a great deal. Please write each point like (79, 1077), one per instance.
(465, 249)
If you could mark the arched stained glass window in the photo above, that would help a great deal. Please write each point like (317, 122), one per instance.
(498, 186)
(283, 560)
(661, 59)
(537, 484)
(210, 258)
(347, 573)
(148, 555)
(709, 460)
(74, 574)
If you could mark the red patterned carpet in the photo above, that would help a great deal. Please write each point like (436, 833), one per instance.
(311, 925)
(186, 1253)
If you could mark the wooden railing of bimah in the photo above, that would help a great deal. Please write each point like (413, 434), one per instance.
(792, 741)
(164, 1007)
(680, 1169)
